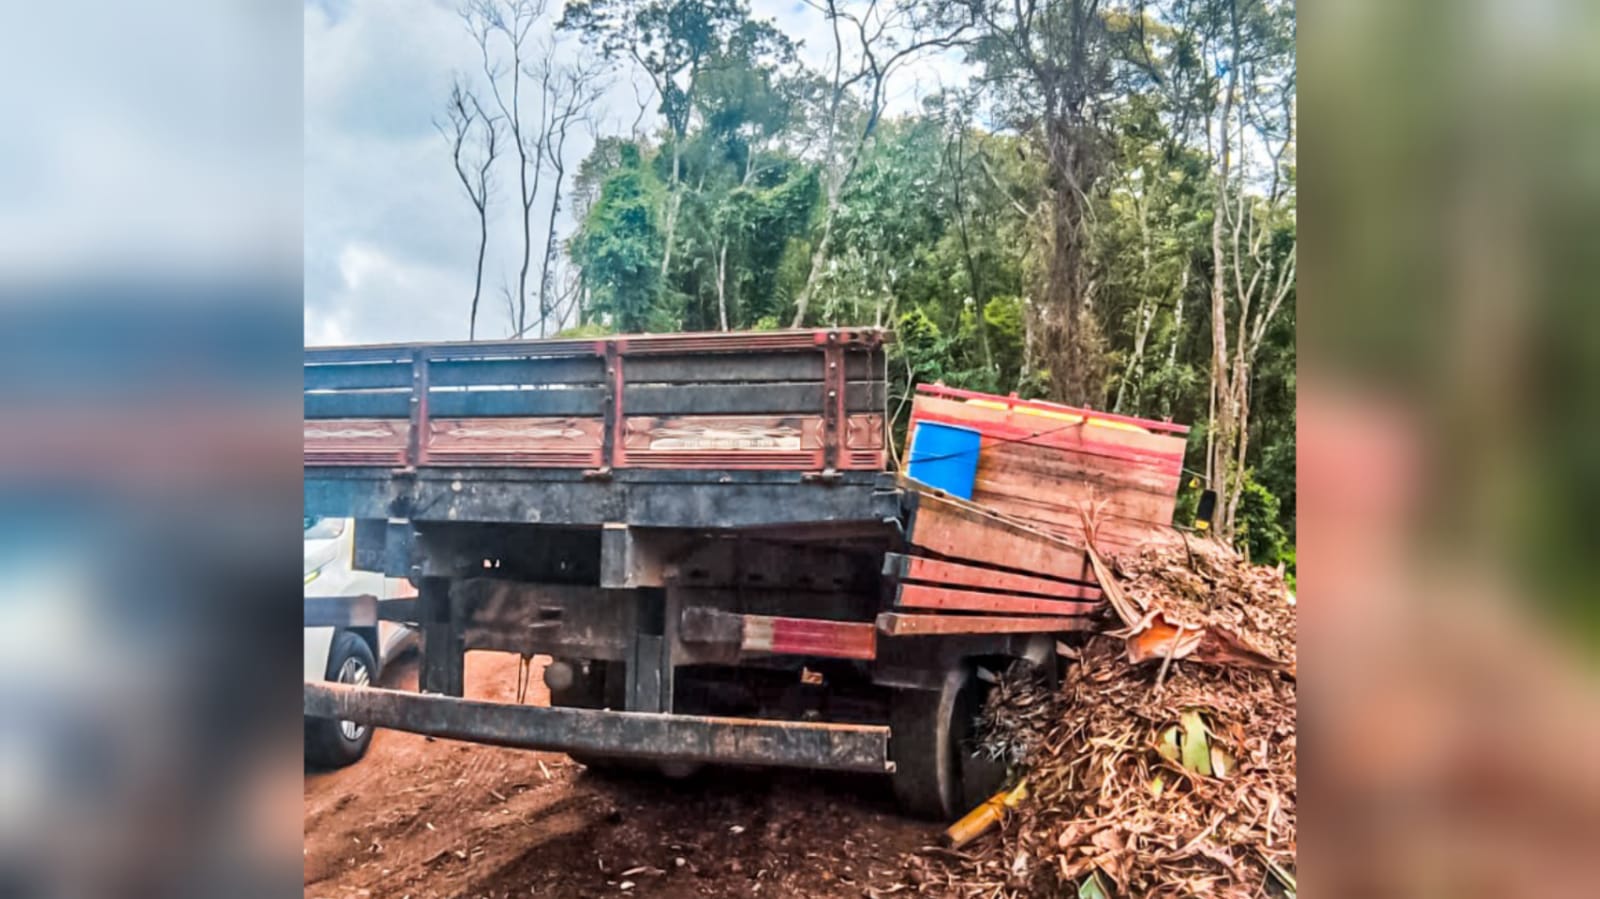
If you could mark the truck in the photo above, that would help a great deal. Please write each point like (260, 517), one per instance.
(704, 535)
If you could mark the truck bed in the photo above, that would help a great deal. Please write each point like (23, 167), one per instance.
(680, 430)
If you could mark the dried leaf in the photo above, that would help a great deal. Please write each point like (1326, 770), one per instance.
(1168, 747)
(1221, 762)
(1102, 803)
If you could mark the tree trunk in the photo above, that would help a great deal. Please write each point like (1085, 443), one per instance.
(1223, 434)
(1177, 335)
(722, 284)
(966, 249)
(819, 256)
(1063, 295)
(477, 279)
(672, 207)
(527, 247)
(1144, 316)
(546, 271)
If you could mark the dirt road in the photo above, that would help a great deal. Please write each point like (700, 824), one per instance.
(435, 818)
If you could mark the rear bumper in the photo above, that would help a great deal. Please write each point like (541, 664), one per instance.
(640, 735)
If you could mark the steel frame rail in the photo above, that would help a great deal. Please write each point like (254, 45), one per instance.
(640, 735)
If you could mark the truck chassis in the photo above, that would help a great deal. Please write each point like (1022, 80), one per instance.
(698, 530)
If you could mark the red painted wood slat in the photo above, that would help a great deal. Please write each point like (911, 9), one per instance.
(895, 624)
(924, 596)
(954, 574)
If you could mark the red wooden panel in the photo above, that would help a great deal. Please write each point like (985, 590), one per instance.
(547, 442)
(1124, 444)
(1015, 402)
(952, 574)
(1061, 463)
(926, 596)
(356, 441)
(730, 441)
(809, 637)
(965, 532)
(895, 624)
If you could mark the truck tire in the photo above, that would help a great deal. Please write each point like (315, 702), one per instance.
(936, 775)
(335, 744)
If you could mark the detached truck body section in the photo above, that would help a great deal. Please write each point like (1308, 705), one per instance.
(700, 532)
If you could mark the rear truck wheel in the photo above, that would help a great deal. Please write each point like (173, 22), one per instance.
(930, 734)
(335, 744)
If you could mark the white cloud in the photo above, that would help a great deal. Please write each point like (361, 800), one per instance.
(379, 298)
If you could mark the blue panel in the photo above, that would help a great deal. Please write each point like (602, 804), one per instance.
(588, 401)
(359, 404)
(945, 457)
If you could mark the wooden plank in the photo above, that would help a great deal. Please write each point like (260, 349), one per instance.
(1110, 542)
(1062, 464)
(1070, 529)
(780, 634)
(1156, 426)
(783, 635)
(567, 401)
(702, 432)
(356, 441)
(1061, 501)
(895, 624)
(557, 442)
(742, 399)
(745, 368)
(954, 574)
(1040, 430)
(359, 404)
(927, 596)
(366, 375)
(556, 370)
(966, 532)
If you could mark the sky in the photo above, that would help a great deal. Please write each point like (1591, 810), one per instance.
(390, 237)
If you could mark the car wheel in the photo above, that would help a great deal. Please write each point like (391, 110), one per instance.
(331, 743)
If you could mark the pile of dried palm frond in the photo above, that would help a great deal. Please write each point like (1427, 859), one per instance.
(1160, 777)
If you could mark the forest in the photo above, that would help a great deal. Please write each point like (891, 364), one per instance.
(1101, 212)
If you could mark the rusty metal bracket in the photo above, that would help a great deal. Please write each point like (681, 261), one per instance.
(643, 735)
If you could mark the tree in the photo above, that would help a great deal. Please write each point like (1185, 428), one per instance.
(670, 41)
(568, 91)
(1249, 110)
(619, 243)
(474, 139)
(1053, 228)
(506, 27)
(881, 37)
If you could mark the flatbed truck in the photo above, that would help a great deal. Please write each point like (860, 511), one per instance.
(701, 533)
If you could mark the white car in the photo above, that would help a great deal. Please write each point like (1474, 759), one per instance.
(348, 655)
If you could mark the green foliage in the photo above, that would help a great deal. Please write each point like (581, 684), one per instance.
(619, 246)
(578, 332)
(942, 232)
(1259, 528)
